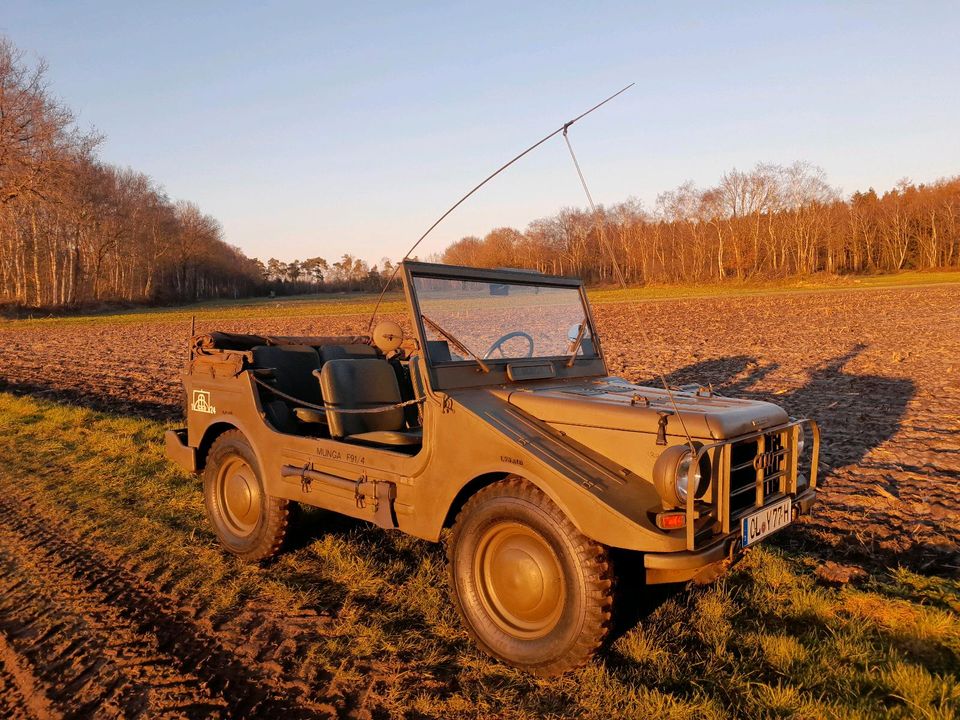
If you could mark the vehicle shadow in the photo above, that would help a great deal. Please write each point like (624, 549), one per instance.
(309, 524)
(860, 411)
(634, 599)
(856, 413)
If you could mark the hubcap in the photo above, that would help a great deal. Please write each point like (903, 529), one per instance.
(239, 495)
(519, 579)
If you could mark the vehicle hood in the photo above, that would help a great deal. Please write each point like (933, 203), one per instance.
(616, 404)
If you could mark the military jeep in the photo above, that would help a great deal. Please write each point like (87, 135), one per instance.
(496, 420)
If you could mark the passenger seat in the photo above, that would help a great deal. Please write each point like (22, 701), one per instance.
(365, 383)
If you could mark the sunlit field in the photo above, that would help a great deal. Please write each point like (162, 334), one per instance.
(115, 592)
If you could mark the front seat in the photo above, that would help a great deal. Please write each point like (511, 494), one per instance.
(363, 383)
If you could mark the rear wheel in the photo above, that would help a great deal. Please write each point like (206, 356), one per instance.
(249, 523)
(532, 590)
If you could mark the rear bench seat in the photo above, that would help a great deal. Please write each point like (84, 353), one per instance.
(295, 370)
(293, 367)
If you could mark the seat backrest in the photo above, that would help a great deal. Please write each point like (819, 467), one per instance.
(293, 367)
(346, 352)
(360, 383)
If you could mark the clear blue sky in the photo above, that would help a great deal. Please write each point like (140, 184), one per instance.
(322, 128)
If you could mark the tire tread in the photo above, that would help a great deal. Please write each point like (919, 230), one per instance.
(276, 522)
(592, 557)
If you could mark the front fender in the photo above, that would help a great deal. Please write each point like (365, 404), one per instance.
(606, 507)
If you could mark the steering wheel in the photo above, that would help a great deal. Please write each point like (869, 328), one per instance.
(498, 344)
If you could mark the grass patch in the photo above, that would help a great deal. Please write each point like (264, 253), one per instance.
(814, 283)
(320, 305)
(765, 641)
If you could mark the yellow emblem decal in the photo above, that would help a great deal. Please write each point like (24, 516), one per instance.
(201, 402)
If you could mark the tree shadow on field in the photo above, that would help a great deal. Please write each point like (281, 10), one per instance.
(856, 414)
(93, 401)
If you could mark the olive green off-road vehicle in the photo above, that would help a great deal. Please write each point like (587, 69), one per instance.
(498, 420)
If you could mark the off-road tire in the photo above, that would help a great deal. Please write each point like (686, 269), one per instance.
(505, 532)
(257, 531)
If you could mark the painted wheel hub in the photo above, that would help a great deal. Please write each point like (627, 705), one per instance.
(520, 580)
(239, 495)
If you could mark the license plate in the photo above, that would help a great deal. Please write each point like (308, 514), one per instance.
(763, 522)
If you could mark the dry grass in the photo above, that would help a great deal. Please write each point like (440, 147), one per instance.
(766, 641)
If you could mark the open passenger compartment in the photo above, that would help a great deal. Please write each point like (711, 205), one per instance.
(338, 387)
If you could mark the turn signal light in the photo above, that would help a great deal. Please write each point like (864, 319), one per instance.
(671, 521)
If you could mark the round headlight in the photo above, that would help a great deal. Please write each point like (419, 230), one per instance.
(683, 476)
(671, 474)
(801, 440)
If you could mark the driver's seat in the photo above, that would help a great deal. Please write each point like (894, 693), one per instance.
(365, 383)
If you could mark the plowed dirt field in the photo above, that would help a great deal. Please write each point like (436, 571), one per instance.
(84, 633)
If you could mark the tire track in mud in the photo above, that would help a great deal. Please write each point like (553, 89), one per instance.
(99, 641)
(21, 694)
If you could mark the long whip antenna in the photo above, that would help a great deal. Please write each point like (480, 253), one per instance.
(458, 203)
(596, 215)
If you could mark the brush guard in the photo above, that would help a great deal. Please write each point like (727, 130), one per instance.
(775, 474)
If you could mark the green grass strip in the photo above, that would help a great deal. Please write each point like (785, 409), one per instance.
(765, 641)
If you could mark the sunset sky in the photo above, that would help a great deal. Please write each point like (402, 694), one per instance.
(318, 129)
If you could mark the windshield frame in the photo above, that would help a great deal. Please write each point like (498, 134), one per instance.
(468, 373)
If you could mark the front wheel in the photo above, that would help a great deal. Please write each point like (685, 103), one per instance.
(532, 590)
(249, 523)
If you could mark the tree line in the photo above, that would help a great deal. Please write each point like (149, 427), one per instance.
(767, 223)
(74, 229)
(317, 275)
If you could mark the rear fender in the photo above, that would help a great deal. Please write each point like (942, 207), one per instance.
(213, 431)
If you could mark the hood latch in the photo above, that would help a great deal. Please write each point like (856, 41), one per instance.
(662, 426)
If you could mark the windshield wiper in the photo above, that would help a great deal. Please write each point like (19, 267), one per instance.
(576, 345)
(456, 343)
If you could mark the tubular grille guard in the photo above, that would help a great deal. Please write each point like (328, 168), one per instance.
(776, 473)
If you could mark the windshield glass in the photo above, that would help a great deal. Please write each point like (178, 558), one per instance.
(496, 320)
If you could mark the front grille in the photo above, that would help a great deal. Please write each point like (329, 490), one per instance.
(743, 476)
(744, 464)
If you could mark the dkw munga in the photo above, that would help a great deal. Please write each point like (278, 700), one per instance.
(496, 419)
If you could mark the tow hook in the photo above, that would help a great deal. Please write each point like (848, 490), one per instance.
(708, 573)
(736, 549)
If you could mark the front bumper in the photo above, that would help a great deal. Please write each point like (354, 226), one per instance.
(708, 563)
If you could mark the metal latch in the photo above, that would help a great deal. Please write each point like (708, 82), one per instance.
(662, 426)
